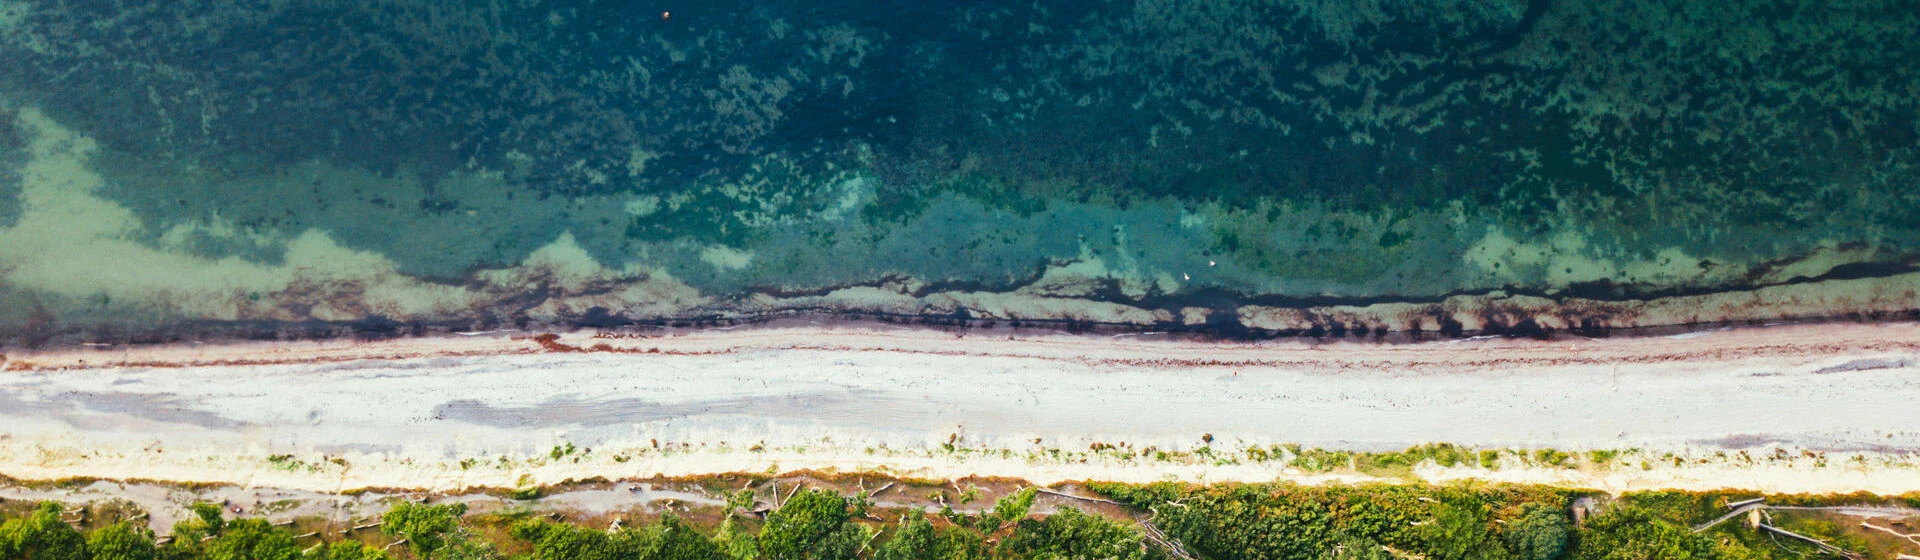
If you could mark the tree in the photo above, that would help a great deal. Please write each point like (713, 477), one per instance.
(1070, 534)
(121, 541)
(814, 525)
(1539, 533)
(41, 535)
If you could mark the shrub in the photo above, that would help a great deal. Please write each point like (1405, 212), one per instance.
(425, 527)
(206, 522)
(671, 539)
(554, 541)
(915, 538)
(346, 550)
(1627, 532)
(1356, 548)
(735, 542)
(252, 539)
(1462, 530)
(1551, 457)
(1009, 509)
(667, 540)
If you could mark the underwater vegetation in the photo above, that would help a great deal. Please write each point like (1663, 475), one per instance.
(384, 164)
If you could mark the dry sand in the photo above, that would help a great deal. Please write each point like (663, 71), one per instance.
(1814, 408)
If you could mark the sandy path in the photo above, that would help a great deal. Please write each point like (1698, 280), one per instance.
(822, 395)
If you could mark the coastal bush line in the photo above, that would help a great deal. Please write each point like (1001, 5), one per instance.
(1159, 521)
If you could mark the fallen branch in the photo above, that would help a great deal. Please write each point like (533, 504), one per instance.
(1816, 542)
(1738, 511)
(1913, 538)
(1050, 491)
(1171, 545)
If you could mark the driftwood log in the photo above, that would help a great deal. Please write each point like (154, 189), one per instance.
(1052, 492)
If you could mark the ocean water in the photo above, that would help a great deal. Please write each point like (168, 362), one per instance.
(1241, 167)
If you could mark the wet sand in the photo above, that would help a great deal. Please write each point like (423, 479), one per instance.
(1831, 404)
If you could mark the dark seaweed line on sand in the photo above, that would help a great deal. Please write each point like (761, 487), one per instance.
(1222, 323)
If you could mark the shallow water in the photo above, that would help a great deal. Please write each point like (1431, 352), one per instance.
(315, 168)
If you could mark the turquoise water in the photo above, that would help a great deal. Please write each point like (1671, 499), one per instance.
(263, 166)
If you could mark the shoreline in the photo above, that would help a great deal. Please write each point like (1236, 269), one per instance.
(1891, 299)
(1825, 339)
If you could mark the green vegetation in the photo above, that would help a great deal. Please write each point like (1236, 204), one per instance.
(1633, 532)
(668, 539)
(1153, 521)
(122, 541)
(1495, 522)
(1072, 534)
(1551, 457)
(41, 536)
(1401, 464)
(1540, 532)
(814, 524)
(426, 528)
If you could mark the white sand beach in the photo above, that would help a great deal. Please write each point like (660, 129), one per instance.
(1791, 408)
